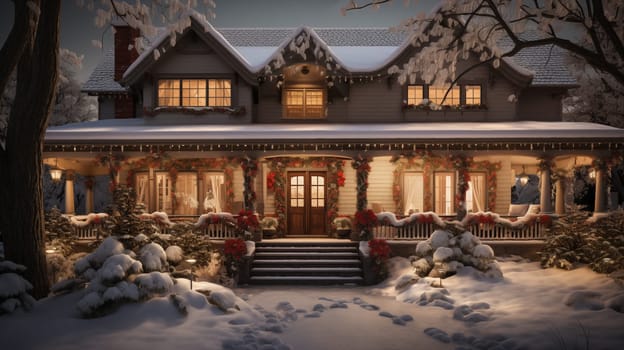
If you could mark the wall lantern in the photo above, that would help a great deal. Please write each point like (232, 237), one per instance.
(55, 172)
(523, 176)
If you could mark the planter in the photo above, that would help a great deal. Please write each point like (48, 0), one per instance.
(269, 233)
(343, 233)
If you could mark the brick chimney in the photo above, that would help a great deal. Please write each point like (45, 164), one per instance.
(124, 37)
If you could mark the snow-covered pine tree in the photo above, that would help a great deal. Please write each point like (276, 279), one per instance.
(565, 240)
(14, 288)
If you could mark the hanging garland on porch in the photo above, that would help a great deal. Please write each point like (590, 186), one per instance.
(429, 163)
(250, 170)
(161, 160)
(276, 183)
(113, 163)
(362, 169)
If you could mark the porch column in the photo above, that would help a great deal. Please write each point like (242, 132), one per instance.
(600, 201)
(546, 206)
(560, 196)
(69, 192)
(89, 182)
(151, 191)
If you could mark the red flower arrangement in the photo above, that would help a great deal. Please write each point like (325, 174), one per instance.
(365, 218)
(340, 178)
(483, 219)
(234, 249)
(546, 220)
(379, 249)
(247, 221)
(425, 219)
(271, 181)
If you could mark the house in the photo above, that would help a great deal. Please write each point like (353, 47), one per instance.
(307, 124)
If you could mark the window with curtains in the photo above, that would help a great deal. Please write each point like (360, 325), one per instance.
(468, 95)
(141, 183)
(194, 93)
(444, 193)
(186, 194)
(214, 192)
(413, 196)
(476, 193)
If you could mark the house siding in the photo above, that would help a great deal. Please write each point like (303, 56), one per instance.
(540, 104)
(380, 181)
(348, 196)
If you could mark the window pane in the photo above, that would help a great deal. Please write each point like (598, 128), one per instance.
(436, 94)
(415, 94)
(193, 92)
(473, 94)
(304, 103)
(214, 198)
(444, 189)
(186, 194)
(168, 92)
(219, 93)
(163, 199)
(413, 194)
(141, 183)
(475, 195)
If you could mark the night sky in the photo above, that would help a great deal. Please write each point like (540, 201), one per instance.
(78, 28)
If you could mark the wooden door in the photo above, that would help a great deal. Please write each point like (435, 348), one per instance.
(306, 203)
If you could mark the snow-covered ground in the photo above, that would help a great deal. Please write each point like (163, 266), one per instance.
(530, 308)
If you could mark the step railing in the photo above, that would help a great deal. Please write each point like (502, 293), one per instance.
(88, 227)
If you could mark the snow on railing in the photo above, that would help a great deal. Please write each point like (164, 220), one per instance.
(88, 226)
(415, 226)
(484, 225)
(217, 225)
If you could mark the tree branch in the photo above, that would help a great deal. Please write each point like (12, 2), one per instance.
(354, 6)
(21, 36)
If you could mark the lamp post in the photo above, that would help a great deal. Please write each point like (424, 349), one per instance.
(191, 262)
(49, 252)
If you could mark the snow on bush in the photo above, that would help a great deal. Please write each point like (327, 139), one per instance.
(174, 254)
(14, 288)
(443, 254)
(153, 284)
(117, 267)
(110, 246)
(153, 257)
(224, 299)
(439, 238)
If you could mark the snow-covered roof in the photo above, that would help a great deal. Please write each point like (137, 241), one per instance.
(102, 80)
(358, 50)
(141, 130)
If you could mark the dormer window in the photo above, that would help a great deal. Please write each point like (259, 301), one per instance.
(304, 94)
(194, 93)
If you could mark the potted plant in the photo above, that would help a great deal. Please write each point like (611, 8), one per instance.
(269, 226)
(342, 225)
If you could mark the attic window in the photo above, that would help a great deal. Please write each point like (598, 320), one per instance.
(194, 93)
(304, 103)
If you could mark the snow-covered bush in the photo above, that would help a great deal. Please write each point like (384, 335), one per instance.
(14, 288)
(174, 254)
(576, 240)
(114, 276)
(447, 251)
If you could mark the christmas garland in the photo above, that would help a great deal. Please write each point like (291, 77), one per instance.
(151, 112)
(429, 163)
(250, 170)
(160, 160)
(276, 183)
(362, 169)
(113, 163)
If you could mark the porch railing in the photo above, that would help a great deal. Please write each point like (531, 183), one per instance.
(485, 226)
(87, 227)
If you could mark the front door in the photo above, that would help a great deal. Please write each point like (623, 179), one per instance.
(306, 203)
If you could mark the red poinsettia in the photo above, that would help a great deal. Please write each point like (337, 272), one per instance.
(379, 249)
(425, 219)
(271, 181)
(247, 220)
(365, 218)
(234, 249)
(546, 220)
(340, 178)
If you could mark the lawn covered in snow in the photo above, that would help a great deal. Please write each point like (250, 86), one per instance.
(530, 308)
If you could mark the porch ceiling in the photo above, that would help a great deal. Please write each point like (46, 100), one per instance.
(134, 134)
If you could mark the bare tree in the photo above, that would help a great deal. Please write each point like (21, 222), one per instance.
(32, 51)
(591, 30)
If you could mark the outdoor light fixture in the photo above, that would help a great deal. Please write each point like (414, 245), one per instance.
(56, 172)
(191, 262)
(592, 173)
(524, 178)
(305, 70)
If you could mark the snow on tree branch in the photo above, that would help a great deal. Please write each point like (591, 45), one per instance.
(592, 31)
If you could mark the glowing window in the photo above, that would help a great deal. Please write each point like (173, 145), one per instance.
(193, 92)
(168, 92)
(436, 94)
(473, 94)
(415, 94)
(219, 93)
(304, 103)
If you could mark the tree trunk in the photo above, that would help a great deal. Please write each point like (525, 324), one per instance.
(21, 162)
